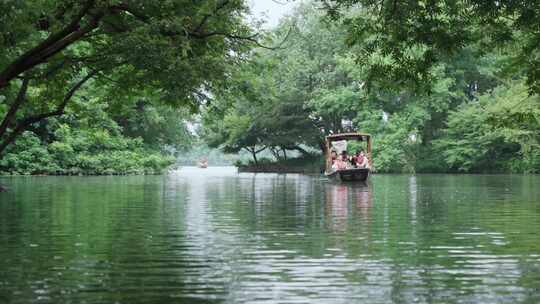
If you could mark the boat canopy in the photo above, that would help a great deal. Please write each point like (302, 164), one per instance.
(348, 136)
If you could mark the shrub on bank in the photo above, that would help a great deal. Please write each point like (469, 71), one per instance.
(302, 164)
(89, 155)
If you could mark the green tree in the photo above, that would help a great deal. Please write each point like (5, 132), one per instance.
(86, 140)
(177, 49)
(321, 79)
(401, 41)
(498, 133)
(294, 95)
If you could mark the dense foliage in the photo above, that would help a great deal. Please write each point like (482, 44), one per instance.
(403, 40)
(136, 57)
(477, 110)
(87, 140)
(498, 132)
(285, 99)
(107, 86)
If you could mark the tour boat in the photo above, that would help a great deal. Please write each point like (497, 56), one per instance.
(349, 174)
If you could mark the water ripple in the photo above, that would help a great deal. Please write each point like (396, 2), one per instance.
(214, 236)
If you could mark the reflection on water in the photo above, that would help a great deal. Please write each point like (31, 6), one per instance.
(345, 198)
(213, 236)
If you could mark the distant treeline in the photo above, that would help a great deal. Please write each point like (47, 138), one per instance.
(107, 87)
(473, 108)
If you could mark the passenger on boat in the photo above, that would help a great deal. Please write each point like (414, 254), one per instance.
(334, 159)
(333, 155)
(361, 159)
(346, 160)
(338, 163)
(354, 159)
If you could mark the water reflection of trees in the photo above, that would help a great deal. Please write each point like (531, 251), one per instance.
(403, 238)
(400, 231)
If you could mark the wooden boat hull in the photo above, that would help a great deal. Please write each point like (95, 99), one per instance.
(350, 175)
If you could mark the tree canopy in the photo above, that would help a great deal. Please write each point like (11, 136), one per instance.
(402, 40)
(177, 51)
(446, 86)
(470, 108)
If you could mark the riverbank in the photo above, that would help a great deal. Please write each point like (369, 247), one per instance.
(111, 163)
(306, 164)
(83, 152)
(315, 164)
(275, 168)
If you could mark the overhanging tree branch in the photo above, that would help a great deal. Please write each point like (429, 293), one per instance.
(53, 44)
(207, 16)
(28, 121)
(198, 32)
(10, 115)
(250, 38)
(126, 8)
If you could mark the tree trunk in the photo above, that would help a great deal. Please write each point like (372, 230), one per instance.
(275, 153)
(322, 146)
(254, 154)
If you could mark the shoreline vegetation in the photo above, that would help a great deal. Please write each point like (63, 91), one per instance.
(110, 93)
(122, 163)
(91, 153)
(304, 164)
(101, 87)
(315, 164)
(473, 110)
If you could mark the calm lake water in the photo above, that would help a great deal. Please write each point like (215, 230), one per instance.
(215, 236)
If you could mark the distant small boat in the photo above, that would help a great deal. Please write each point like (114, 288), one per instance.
(349, 174)
(202, 164)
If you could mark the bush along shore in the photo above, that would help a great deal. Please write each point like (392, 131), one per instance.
(316, 164)
(305, 164)
(93, 155)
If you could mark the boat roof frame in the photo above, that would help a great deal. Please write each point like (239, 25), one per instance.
(348, 136)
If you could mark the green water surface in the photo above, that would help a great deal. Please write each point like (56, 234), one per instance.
(215, 236)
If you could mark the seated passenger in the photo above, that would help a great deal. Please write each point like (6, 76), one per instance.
(339, 164)
(344, 155)
(333, 155)
(346, 160)
(354, 160)
(358, 158)
(362, 160)
(334, 160)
